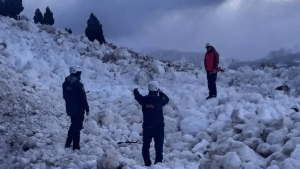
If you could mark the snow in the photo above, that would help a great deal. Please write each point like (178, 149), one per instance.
(201, 147)
(231, 161)
(2, 129)
(109, 160)
(193, 125)
(250, 124)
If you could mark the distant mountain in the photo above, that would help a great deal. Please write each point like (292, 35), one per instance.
(172, 55)
(190, 57)
(279, 58)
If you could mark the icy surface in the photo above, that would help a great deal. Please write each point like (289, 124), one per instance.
(250, 124)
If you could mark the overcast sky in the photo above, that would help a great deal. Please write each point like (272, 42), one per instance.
(242, 29)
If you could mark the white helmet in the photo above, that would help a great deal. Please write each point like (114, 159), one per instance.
(153, 86)
(75, 69)
(209, 45)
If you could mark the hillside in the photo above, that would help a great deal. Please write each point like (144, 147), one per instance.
(250, 124)
(190, 57)
(279, 58)
(172, 55)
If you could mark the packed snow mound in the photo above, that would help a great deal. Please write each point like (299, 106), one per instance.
(249, 125)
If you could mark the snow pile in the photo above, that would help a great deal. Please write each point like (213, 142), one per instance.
(250, 124)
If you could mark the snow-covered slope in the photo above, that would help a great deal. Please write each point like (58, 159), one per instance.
(249, 125)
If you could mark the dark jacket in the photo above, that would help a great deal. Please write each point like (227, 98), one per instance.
(75, 97)
(152, 107)
(211, 61)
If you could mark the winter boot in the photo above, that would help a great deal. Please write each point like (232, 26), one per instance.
(68, 142)
(209, 97)
(76, 143)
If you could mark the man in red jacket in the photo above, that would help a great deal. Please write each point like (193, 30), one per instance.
(211, 63)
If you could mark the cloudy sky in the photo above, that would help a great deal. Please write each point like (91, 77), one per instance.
(241, 29)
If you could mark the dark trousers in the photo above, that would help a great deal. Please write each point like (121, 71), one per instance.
(158, 134)
(211, 80)
(74, 132)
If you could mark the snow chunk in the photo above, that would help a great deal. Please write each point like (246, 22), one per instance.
(201, 147)
(53, 128)
(187, 138)
(289, 147)
(231, 161)
(24, 162)
(237, 117)
(158, 67)
(39, 135)
(211, 102)
(135, 136)
(60, 150)
(2, 129)
(27, 26)
(267, 113)
(98, 151)
(245, 153)
(142, 78)
(273, 167)
(170, 125)
(90, 164)
(204, 163)
(30, 143)
(296, 153)
(276, 137)
(181, 146)
(137, 127)
(91, 127)
(250, 166)
(193, 125)
(264, 149)
(110, 159)
(106, 117)
(290, 163)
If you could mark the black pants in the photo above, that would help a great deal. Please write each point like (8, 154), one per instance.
(211, 80)
(158, 134)
(74, 132)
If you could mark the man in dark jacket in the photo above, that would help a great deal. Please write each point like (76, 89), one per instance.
(76, 104)
(153, 125)
(211, 63)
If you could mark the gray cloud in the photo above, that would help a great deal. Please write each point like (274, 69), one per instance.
(119, 18)
(248, 30)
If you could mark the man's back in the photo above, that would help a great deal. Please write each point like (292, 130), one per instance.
(153, 126)
(152, 106)
(75, 97)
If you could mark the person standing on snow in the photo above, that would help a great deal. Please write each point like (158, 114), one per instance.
(76, 103)
(211, 63)
(153, 125)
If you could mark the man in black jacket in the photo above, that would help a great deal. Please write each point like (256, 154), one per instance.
(76, 104)
(153, 125)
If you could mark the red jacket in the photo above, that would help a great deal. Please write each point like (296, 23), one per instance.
(211, 61)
